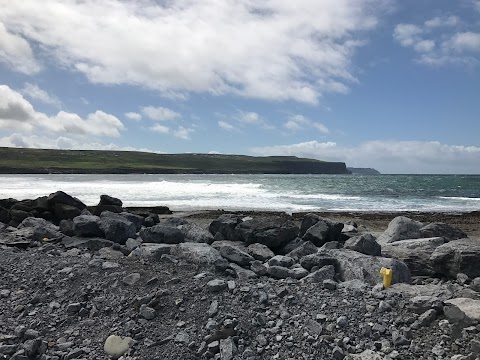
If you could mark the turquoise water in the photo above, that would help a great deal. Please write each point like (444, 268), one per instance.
(262, 192)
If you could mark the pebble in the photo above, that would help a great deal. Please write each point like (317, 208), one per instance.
(115, 346)
(216, 285)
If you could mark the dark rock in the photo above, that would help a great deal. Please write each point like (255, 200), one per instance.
(306, 248)
(225, 224)
(415, 253)
(109, 200)
(99, 209)
(258, 268)
(437, 229)
(318, 259)
(4, 216)
(281, 260)
(195, 233)
(162, 234)
(137, 220)
(88, 226)
(64, 211)
(198, 253)
(8, 203)
(66, 227)
(290, 246)
(153, 250)
(273, 233)
(175, 221)
(325, 273)
(149, 222)
(365, 244)
(278, 272)
(60, 197)
(307, 222)
(116, 227)
(425, 319)
(401, 228)
(93, 244)
(323, 231)
(458, 256)
(216, 285)
(18, 215)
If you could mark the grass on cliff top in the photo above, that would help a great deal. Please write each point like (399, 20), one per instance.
(20, 158)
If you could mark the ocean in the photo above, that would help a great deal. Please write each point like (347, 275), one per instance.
(289, 193)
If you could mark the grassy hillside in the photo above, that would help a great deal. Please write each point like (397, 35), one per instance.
(20, 160)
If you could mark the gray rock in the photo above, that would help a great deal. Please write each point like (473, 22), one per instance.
(318, 259)
(176, 221)
(66, 227)
(225, 224)
(324, 273)
(354, 265)
(415, 253)
(131, 244)
(425, 319)
(297, 272)
(306, 248)
(307, 222)
(213, 309)
(152, 250)
(458, 256)
(279, 272)
(398, 339)
(365, 244)
(216, 285)
(115, 346)
(195, 233)
(227, 349)
(342, 321)
(462, 310)
(93, 244)
(337, 353)
(274, 233)
(443, 230)
(88, 226)
(421, 304)
(330, 284)
(290, 246)
(60, 197)
(367, 355)
(162, 234)
(147, 312)
(260, 252)
(258, 268)
(242, 273)
(198, 253)
(401, 228)
(116, 227)
(182, 338)
(280, 260)
(131, 279)
(475, 285)
(235, 255)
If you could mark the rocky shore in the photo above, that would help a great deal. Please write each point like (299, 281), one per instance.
(107, 282)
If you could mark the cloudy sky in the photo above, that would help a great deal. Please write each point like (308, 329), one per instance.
(388, 84)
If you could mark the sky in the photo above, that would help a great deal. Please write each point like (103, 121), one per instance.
(388, 84)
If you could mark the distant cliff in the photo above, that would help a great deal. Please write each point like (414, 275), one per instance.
(44, 161)
(363, 171)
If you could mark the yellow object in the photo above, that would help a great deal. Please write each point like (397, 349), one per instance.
(45, 239)
(387, 277)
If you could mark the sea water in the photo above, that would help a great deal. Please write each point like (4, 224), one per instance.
(290, 193)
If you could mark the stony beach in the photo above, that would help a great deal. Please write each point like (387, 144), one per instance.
(108, 282)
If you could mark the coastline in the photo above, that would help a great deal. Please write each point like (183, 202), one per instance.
(370, 221)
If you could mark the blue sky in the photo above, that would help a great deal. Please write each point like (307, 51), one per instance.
(388, 84)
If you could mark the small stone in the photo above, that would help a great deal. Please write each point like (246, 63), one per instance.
(109, 265)
(384, 306)
(115, 346)
(131, 279)
(342, 321)
(73, 308)
(147, 312)
(329, 284)
(216, 285)
(182, 338)
(337, 353)
(213, 310)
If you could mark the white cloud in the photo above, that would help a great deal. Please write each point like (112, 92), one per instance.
(442, 21)
(279, 50)
(45, 142)
(160, 129)
(18, 114)
(250, 117)
(407, 34)
(160, 113)
(33, 91)
(466, 41)
(299, 122)
(16, 52)
(439, 42)
(225, 125)
(133, 116)
(183, 133)
(476, 5)
(388, 156)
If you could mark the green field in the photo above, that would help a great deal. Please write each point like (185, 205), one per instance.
(22, 160)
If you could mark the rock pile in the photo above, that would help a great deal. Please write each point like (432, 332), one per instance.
(105, 283)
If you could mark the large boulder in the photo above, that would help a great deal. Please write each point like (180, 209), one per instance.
(365, 244)
(323, 231)
(352, 265)
(306, 248)
(260, 251)
(438, 229)
(198, 253)
(162, 234)
(137, 220)
(273, 233)
(195, 233)
(307, 222)
(458, 256)
(462, 310)
(225, 225)
(42, 229)
(88, 226)
(64, 206)
(415, 253)
(109, 200)
(4, 217)
(401, 228)
(93, 244)
(116, 227)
